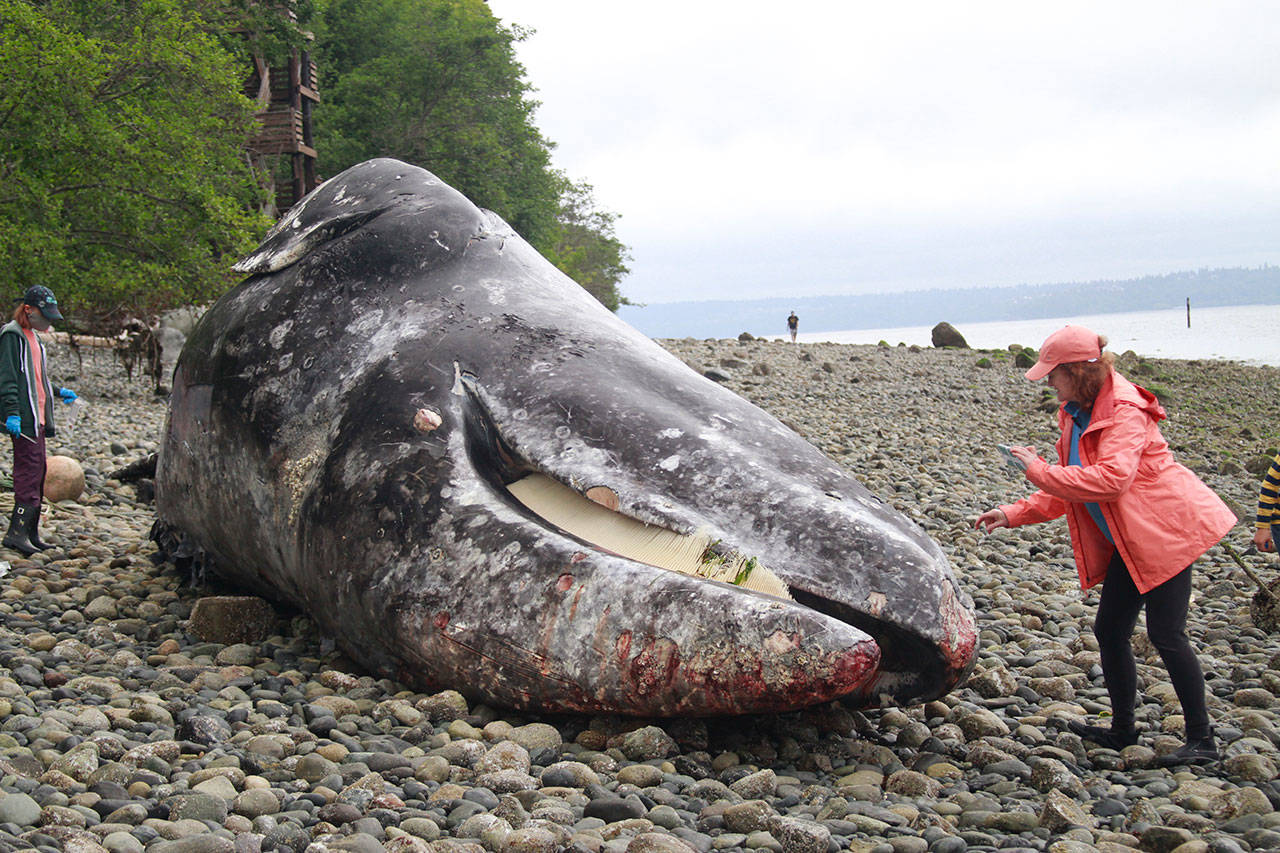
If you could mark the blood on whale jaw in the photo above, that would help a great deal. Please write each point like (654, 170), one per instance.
(370, 473)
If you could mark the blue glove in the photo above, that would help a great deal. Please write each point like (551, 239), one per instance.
(67, 395)
(13, 424)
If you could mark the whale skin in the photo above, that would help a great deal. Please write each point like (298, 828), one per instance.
(346, 423)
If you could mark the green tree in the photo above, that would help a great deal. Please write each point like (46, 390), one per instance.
(436, 83)
(123, 184)
(586, 246)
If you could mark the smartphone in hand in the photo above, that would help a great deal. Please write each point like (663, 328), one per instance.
(1009, 458)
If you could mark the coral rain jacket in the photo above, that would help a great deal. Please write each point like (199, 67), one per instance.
(1161, 515)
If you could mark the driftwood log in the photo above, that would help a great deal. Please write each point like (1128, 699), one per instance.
(136, 346)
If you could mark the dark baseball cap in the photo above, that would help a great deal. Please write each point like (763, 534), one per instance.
(43, 298)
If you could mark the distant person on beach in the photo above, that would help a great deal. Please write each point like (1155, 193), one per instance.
(793, 323)
(26, 404)
(1137, 519)
(1267, 535)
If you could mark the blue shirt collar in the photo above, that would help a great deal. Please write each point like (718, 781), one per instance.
(1078, 413)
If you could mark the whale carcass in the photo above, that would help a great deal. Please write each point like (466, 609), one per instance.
(410, 425)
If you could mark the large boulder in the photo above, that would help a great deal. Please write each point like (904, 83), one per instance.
(945, 335)
(230, 619)
(63, 479)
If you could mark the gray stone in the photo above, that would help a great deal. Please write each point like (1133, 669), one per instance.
(19, 809)
(530, 840)
(130, 813)
(748, 817)
(536, 736)
(1165, 839)
(79, 763)
(994, 682)
(910, 783)
(313, 767)
(800, 836)
(236, 654)
(507, 781)
(756, 786)
(339, 813)
(197, 806)
(358, 842)
(506, 755)
(648, 743)
(1050, 774)
(1061, 812)
(121, 842)
(569, 774)
(443, 706)
(102, 607)
(255, 802)
(611, 809)
(658, 842)
(980, 722)
(201, 843)
(1258, 769)
(640, 775)
(421, 827)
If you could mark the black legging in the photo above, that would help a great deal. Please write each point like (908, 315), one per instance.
(1166, 626)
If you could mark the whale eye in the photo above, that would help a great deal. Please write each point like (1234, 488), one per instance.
(426, 420)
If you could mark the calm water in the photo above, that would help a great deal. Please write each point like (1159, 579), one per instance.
(1248, 333)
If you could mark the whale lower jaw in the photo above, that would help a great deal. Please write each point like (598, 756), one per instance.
(910, 667)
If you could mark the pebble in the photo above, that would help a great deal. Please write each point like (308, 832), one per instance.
(121, 731)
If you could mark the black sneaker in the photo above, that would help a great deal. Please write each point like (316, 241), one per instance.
(1110, 738)
(1198, 752)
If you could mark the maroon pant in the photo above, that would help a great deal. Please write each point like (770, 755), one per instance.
(28, 469)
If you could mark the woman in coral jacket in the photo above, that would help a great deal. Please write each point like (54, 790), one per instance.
(1138, 520)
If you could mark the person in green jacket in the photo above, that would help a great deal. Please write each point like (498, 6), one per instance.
(26, 405)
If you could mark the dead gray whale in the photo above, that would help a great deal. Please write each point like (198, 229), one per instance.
(410, 425)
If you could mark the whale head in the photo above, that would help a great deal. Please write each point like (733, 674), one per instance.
(411, 425)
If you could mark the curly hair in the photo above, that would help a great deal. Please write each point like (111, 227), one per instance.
(1088, 377)
(20, 316)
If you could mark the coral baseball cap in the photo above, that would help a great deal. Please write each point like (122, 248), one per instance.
(1068, 344)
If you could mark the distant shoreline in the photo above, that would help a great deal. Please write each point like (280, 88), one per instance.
(726, 318)
(1240, 333)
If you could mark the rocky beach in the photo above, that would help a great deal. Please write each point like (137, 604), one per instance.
(123, 729)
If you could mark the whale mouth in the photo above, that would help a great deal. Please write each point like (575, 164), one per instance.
(585, 519)
(912, 666)
(592, 517)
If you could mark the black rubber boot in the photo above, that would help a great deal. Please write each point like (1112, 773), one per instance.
(17, 538)
(1110, 738)
(33, 529)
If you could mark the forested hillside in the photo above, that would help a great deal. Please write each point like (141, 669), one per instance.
(124, 185)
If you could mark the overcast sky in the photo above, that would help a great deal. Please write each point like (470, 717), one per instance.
(758, 150)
